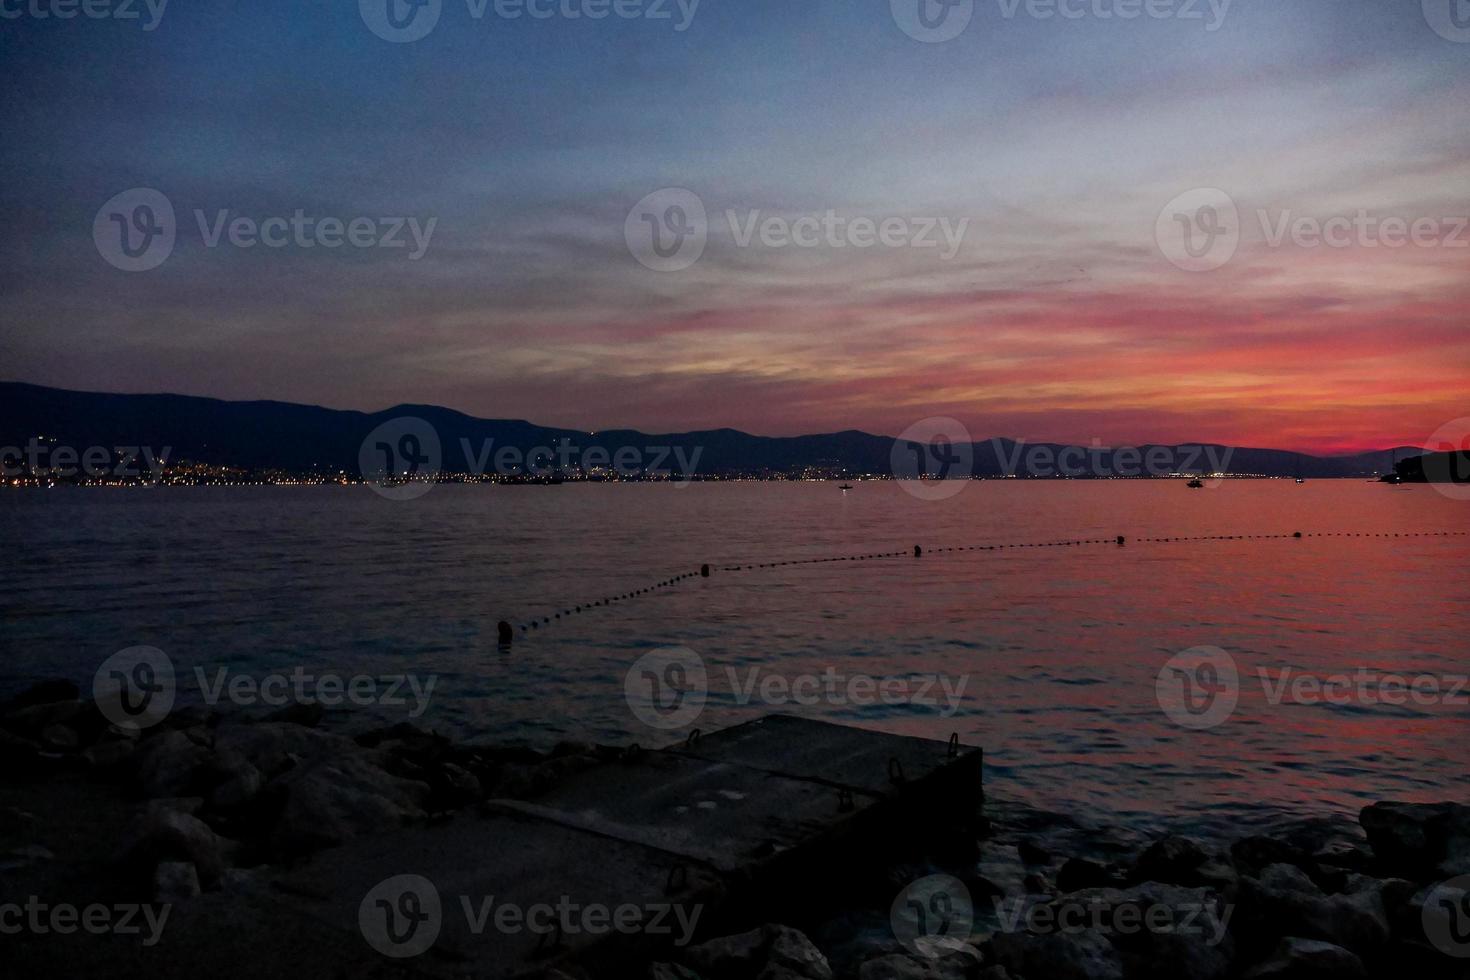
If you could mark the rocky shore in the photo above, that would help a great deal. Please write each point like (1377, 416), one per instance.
(206, 804)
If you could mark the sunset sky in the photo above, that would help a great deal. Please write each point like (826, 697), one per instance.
(1059, 141)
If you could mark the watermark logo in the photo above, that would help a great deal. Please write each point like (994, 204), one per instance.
(1446, 917)
(667, 231)
(933, 916)
(1447, 465)
(932, 21)
(666, 688)
(933, 459)
(401, 458)
(401, 916)
(1198, 688)
(135, 230)
(1199, 230)
(1450, 19)
(90, 9)
(135, 688)
(400, 21)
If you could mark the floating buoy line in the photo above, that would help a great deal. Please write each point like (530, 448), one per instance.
(507, 632)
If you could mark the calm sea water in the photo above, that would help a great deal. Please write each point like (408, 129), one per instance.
(1060, 649)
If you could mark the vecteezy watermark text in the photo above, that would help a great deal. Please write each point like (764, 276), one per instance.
(87, 9)
(1201, 687)
(43, 457)
(403, 916)
(405, 21)
(136, 688)
(668, 230)
(403, 457)
(330, 690)
(136, 231)
(1201, 230)
(668, 688)
(937, 21)
(41, 918)
(1069, 916)
(1110, 462)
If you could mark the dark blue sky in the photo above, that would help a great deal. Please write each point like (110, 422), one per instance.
(1057, 140)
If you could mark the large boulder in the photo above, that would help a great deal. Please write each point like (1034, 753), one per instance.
(1283, 902)
(772, 952)
(1079, 873)
(1419, 840)
(1171, 860)
(1308, 959)
(327, 800)
(273, 747)
(898, 966)
(1161, 931)
(46, 692)
(1085, 955)
(162, 835)
(166, 764)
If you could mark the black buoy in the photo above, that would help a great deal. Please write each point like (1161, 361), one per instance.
(506, 633)
(918, 552)
(704, 571)
(1121, 539)
(1297, 534)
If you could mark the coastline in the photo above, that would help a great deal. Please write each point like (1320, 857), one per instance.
(213, 811)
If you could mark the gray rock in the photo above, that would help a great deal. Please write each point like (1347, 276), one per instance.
(1079, 873)
(109, 752)
(167, 763)
(328, 800)
(174, 882)
(238, 789)
(775, 952)
(46, 692)
(1252, 854)
(164, 835)
(1283, 902)
(60, 738)
(1286, 877)
(737, 956)
(791, 949)
(900, 967)
(1000, 871)
(1171, 860)
(1308, 959)
(671, 971)
(272, 747)
(32, 720)
(1083, 955)
(25, 857)
(1419, 840)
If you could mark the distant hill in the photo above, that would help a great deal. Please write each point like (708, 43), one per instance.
(1451, 467)
(269, 435)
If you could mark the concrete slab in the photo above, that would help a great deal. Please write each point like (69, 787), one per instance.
(737, 822)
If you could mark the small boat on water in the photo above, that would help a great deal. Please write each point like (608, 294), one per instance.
(1196, 484)
(1300, 480)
